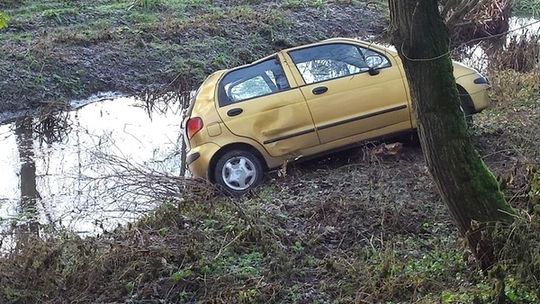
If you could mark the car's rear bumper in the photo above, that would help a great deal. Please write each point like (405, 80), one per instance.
(198, 159)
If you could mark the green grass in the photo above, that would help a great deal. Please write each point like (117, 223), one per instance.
(304, 3)
(527, 7)
(4, 20)
(53, 27)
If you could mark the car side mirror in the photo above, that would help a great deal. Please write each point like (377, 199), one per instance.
(374, 61)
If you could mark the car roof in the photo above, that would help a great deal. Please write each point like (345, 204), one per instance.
(371, 45)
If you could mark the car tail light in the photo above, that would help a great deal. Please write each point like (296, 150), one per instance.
(193, 126)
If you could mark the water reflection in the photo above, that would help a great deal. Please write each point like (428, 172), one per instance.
(52, 126)
(67, 169)
(490, 54)
(28, 213)
(160, 102)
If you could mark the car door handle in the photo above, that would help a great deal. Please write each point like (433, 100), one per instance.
(319, 90)
(234, 112)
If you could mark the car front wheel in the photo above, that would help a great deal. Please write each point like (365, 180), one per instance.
(467, 106)
(238, 171)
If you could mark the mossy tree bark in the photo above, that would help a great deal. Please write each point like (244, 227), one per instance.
(469, 189)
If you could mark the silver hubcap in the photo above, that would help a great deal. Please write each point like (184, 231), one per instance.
(239, 173)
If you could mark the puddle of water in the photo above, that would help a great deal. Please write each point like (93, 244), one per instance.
(479, 55)
(523, 25)
(67, 169)
(8, 116)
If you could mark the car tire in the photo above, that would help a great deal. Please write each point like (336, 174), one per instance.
(467, 106)
(238, 171)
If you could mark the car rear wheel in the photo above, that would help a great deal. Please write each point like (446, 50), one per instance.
(238, 171)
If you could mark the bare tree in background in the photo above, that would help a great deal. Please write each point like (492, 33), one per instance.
(474, 19)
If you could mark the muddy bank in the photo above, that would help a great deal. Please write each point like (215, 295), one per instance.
(54, 51)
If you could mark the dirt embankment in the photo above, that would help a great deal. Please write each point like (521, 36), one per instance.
(54, 51)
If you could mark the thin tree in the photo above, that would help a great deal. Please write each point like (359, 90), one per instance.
(466, 185)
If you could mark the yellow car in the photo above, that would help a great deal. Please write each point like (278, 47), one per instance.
(300, 102)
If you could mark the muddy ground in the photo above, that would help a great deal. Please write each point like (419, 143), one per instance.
(55, 51)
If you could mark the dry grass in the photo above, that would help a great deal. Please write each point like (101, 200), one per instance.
(520, 53)
(511, 87)
(474, 19)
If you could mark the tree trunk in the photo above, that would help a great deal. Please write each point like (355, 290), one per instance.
(466, 185)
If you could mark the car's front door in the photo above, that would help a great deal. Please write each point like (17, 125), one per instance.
(344, 95)
(259, 102)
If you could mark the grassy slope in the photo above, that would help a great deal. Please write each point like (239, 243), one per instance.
(54, 50)
(349, 228)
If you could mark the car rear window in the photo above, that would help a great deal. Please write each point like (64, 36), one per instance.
(261, 79)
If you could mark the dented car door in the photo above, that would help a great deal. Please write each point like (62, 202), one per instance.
(260, 102)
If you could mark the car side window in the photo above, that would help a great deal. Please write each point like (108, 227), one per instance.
(330, 61)
(257, 80)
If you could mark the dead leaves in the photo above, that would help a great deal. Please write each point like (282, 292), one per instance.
(388, 149)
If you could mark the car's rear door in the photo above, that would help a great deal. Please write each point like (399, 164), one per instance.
(260, 102)
(345, 99)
